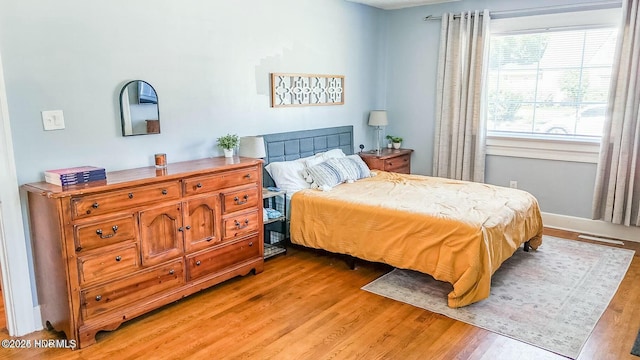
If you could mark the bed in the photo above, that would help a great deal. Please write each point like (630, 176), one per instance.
(458, 232)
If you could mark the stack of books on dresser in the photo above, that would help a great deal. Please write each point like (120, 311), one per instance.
(75, 176)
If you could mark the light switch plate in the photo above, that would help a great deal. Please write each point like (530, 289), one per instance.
(53, 119)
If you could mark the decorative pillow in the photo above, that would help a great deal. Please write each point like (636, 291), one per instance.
(325, 175)
(334, 171)
(355, 167)
(288, 175)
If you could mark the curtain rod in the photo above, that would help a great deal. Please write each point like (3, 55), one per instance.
(543, 10)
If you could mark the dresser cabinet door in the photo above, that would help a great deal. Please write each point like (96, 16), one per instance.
(161, 234)
(201, 219)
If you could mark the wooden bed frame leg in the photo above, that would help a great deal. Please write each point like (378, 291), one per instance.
(527, 246)
(351, 262)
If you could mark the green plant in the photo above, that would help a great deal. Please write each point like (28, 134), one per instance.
(394, 139)
(228, 141)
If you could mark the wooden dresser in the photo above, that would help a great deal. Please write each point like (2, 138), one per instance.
(393, 160)
(113, 250)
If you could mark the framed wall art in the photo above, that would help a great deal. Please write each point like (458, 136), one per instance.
(306, 89)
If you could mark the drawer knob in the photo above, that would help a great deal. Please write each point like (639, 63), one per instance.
(95, 205)
(171, 272)
(99, 297)
(164, 192)
(240, 225)
(241, 202)
(118, 258)
(188, 227)
(180, 228)
(130, 195)
(106, 236)
(251, 243)
(199, 185)
(248, 176)
(198, 263)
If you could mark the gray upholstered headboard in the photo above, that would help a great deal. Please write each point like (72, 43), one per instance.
(298, 144)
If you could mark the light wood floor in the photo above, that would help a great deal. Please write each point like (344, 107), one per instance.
(3, 318)
(308, 305)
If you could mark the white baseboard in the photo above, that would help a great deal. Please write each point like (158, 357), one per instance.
(37, 319)
(591, 227)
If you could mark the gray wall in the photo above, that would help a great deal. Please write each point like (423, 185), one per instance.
(209, 61)
(561, 187)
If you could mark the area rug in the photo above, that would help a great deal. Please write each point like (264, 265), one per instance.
(551, 298)
(636, 346)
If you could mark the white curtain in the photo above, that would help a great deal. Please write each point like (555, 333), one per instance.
(617, 190)
(459, 144)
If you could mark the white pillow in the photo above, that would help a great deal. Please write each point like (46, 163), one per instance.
(333, 153)
(288, 175)
(314, 160)
(323, 156)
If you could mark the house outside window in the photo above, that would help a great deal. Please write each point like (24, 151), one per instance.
(548, 84)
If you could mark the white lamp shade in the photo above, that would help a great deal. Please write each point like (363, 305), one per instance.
(252, 146)
(378, 118)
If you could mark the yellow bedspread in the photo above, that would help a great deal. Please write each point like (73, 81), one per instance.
(458, 232)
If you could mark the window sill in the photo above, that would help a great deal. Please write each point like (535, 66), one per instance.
(561, 149)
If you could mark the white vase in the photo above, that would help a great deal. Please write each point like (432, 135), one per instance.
(396, 145)
(228, 153)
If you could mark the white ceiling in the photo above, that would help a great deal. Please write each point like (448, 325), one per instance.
(399, 4)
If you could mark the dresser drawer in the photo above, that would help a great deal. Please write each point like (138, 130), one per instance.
(103, 233)
(92, 205)
(239, 200)
(109, 264)
(239, 225)
(218, 259)
(132, 289)
(398, 163)
(202, 184)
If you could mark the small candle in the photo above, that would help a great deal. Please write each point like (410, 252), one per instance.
(161, 161)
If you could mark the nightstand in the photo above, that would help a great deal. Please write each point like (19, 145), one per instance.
(275, 229)
(393, 160)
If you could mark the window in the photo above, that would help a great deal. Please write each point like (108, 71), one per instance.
(548, 84)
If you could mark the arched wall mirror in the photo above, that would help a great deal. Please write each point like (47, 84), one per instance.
(139, 109)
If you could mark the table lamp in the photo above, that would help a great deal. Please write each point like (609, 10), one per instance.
(378, 118)
(252, 146)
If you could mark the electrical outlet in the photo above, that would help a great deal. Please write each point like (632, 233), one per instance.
(513, 184)
(53, 119)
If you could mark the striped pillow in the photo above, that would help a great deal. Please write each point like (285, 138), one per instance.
(355, 168)
(337, 170)
(325, 175)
